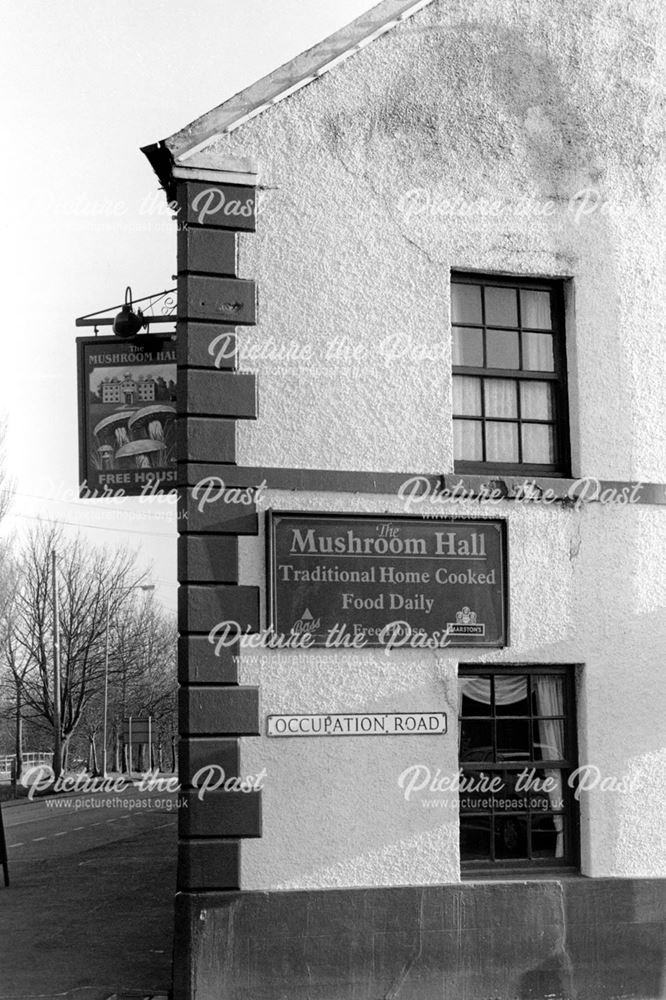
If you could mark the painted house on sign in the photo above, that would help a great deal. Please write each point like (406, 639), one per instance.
(127, 389)
(425, 478)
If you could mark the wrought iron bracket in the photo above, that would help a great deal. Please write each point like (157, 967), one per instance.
(160, 307)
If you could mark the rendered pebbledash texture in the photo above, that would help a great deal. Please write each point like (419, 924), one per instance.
(573, 599)
(510, 139)
(513, 138)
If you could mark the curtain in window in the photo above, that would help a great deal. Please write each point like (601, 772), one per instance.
(500, 397)
(538, 352)
(499, 401)
(535, 308)
(550, 701)
(507, 690)
(468, 444)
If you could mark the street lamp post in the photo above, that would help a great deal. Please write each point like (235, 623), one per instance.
(127, 590)
(57, 709)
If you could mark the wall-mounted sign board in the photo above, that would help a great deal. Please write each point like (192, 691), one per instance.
(349, 581)
(127, 415)
(354, 724)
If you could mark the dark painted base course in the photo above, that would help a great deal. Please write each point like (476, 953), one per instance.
(588, 939)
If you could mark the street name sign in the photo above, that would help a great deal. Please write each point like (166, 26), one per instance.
(354, 724)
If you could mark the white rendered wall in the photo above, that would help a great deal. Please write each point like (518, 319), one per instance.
(546, 110)
(587, 587)
(508, 111)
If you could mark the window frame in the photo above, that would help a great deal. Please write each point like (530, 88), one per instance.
(570, 863)
(558, 377)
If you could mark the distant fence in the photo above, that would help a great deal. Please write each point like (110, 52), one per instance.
(29, 760)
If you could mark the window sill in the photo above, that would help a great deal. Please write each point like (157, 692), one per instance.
(520, 875)
(534, 472)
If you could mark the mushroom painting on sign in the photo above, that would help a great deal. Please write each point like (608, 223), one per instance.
(139, 452)
(111, 433)
(154, 423)
(127, 395)
(115, 435)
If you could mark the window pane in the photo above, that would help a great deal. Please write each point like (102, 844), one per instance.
(547, 837)
(500, 397)
(476, 695)
(544, 789)
(538, 444)
(513, 739)
(508, 798)
(535, 309)
(536, 400)
(549, 739)
(467, 347)
(511, 695)
(466, 395)
(467, 441)
(502, 349)
(510, 837)
(501, 307)
(501, 442)
(474, 837)
(548, 694)
(538, 352)
(465, 303)
(476, 740)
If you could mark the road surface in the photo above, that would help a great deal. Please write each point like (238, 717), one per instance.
(89, 910)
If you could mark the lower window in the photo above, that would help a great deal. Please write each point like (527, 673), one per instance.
(517, 750)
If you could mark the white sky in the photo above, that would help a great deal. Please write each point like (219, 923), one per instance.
(85, 83)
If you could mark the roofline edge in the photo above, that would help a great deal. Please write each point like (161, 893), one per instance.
(161, 160)
(231, 170)
(303, 69)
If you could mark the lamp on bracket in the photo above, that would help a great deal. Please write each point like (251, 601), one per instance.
(127, 322)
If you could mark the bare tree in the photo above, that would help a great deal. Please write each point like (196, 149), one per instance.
(144, 674)
(92, 583)
(12, 673)
(91, 723)
(10, 693)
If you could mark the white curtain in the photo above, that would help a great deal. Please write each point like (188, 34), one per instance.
(467, 433)
(550, 701)
(467, 396)
(501, 442)
(535, 309)
(500, 401)
(507, 690)
(538, 352)
(536, 402)
(500, 397)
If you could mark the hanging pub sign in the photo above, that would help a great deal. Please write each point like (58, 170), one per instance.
(349, 581)
(127, 413)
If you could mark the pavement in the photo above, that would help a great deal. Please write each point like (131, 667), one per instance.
(88, 914)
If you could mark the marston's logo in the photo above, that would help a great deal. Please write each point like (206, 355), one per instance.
(306, 623)
(466, 624)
